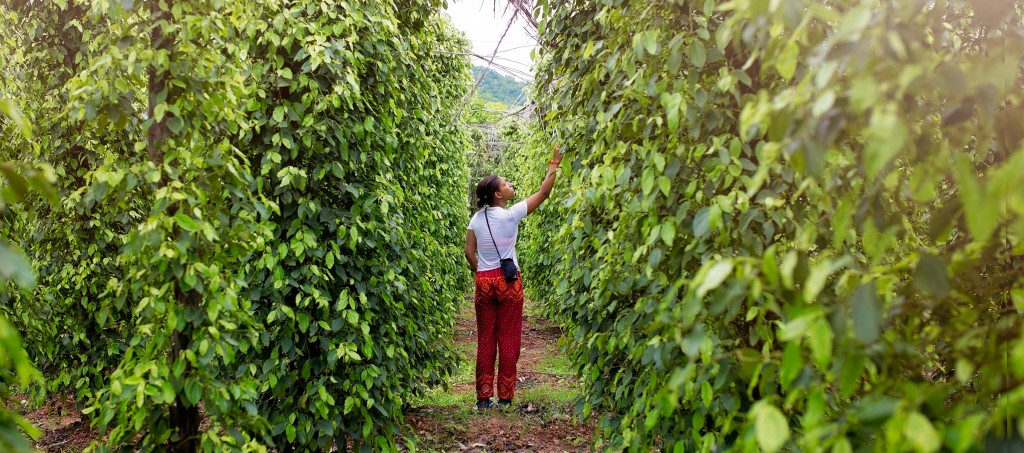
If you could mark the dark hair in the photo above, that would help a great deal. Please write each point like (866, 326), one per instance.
(485, 190)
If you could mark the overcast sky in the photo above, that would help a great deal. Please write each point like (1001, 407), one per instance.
(484, 26)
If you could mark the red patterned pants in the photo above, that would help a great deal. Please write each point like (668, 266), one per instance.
(499, 326)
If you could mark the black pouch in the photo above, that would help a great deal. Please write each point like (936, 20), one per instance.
(508, 267)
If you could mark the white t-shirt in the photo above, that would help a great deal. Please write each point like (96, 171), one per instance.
(505, 225)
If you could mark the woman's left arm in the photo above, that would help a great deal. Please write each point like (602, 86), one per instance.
(471, 249)
(549, 182)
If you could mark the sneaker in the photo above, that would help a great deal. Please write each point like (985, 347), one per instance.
(484, 404)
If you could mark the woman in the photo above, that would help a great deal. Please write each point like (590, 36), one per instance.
(490, 237)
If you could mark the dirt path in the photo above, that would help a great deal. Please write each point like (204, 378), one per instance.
(64, 428)
(541, 420)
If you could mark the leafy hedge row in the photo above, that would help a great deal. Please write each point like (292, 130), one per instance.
(355, 150)
(261, 207)
(74, 337)
(788, 224)
(16, 368)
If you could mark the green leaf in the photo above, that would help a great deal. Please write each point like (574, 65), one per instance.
(668, 233)
(673, 105)
(175, 124)
(159, 111)
(14, 265)
(770, 426)
(930, 275)
(692, 342)
(867, 315)
(647, 181)
(11, 110)
(786, 62)
(797, 327)
(42, 182)
(675, 60)
(820, 339)
(849, 377)
(192, 390)
(659, 161)
(696, 53)
(178, 368)
(964, 370)
(886, 136)
(17, 359)
(816, 279)
(921, 433)
(792, 364)
(814, 414)
(714, 277)
(842, 445)
(167, 391)
(666, 188)
(942, 220)
(823, 103)
(650, 41)
(186, 223)
(981, 210)
(961, 436)
(702, 223)
(16, 181)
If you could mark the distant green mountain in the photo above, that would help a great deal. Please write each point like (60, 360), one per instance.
(499, 87)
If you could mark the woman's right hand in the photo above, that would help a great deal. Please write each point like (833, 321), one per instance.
(549, 181)
(556, 156)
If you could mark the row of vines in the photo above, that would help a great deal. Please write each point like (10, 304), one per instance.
(16, 368)
(258, 204)
(788, 225)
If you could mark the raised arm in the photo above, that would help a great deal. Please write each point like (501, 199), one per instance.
(549, 182)
(471, 249)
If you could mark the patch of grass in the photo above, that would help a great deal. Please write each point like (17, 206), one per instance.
(554, 395)
(457, 414)
(441, 397)
(541, 405)
(442, 416)
(555, 362)
(444, 425)
(466, 308)
(466, 349)
(466, 373)
(533, 309)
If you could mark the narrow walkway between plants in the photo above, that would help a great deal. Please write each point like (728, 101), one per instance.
(64, 428)
(542, 417)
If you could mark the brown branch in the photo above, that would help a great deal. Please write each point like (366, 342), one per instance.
(521, 6)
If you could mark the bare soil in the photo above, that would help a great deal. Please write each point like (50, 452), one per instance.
(530, 426)
(63, 426)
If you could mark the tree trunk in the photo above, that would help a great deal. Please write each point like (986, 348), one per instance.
(184, 417)
(158, 131)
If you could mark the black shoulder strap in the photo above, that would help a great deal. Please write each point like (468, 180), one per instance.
(491, 233)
